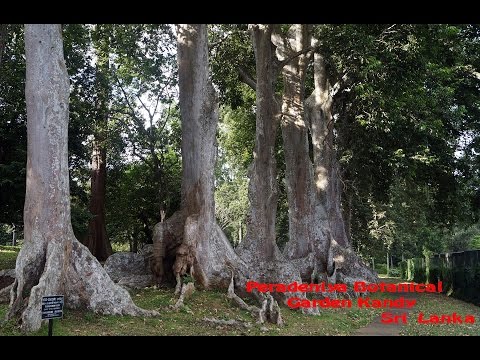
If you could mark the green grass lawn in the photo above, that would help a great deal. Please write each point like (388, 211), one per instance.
(441, 304)
(8, 255)
(189, 320)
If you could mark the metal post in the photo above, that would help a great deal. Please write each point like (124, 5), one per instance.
(50, 327)
(14, 242)
(388, 267)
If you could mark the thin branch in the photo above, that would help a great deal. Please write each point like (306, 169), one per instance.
(213, 45)
(245, 78)
(3, 39)
(340, 84)
(166, 119)
(296, 54)
(144, 106)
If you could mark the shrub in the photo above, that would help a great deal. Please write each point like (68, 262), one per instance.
(395, 272)
(381, 268)
(403, 269)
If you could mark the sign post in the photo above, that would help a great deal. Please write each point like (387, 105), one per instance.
(52, 308)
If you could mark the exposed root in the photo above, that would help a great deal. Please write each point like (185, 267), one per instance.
(5, 294)
(70, 269)
(185, 293)
(230, 322)
(269, 312)
(178, 286)
(184, 262)
(348, 268)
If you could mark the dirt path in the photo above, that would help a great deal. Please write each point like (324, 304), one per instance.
(377, 328)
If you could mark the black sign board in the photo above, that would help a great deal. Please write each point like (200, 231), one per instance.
(52, 307)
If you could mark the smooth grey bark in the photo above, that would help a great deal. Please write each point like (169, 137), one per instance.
(326, 167)
(191, 236)
(318, 243)
(259, 241)
(342, 264)
(303, 225)
(51, 261)
(259, 249)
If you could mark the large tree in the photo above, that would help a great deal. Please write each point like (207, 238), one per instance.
(317, 241)
(305, 226)
(52, 260)
(260, 238)
(97, 240)
(191, 237)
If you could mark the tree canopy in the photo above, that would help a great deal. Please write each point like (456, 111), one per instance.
(405, 130)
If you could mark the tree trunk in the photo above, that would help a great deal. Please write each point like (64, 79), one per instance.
(191, 236)
(342, 264)
(298, 166)
(334, 200)
(97, 240)
(259, 242)
(51, 261)
(3, 40)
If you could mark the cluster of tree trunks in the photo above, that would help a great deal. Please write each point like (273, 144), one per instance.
(52, 261)
(318, 247)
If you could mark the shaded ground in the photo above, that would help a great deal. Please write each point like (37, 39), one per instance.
(5, 281)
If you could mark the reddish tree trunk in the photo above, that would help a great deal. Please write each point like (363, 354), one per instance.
(97, 241)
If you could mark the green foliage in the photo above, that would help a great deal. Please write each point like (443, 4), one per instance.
(231, 207)
(80, 217)
(133, 203)
(120, 247)
(236, 140)
(464, 239)
(459, 273)
(381, 268)
(406, 125)
(395, 272)
(416, 270)
(407, 105)
(13, 135)
(403, 269)
(231, 49)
